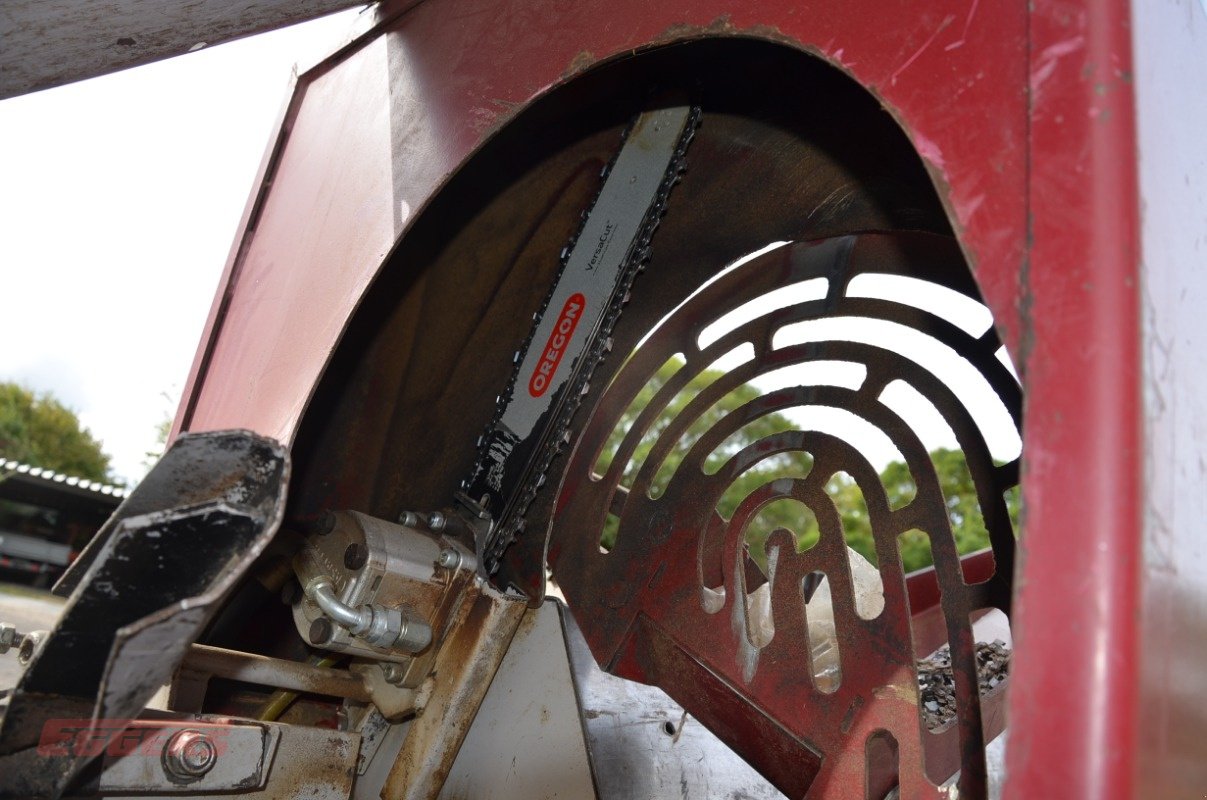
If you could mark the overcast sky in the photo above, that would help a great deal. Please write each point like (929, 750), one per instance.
(119, 199)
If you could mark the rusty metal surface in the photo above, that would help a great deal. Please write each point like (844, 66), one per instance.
(51, 42)
(170, 554)
(313, 763)
(464, 668)
(277, 761)
(1169, 44)
(242, 756)
(251, 668)
(672, 602)
(527, 739)
(310, 763)
(447, 75)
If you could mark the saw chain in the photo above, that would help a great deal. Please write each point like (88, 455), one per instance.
(572, 331)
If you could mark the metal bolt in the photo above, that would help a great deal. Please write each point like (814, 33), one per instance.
(30, 646)
(436, 521)
(449, 558)
(320, 631)
(356, 556)
(393, 672)
(188, 755)
(9, 637)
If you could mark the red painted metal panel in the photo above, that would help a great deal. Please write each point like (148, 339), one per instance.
(1075, 671)
(952, 72)
(311, 246)
(671, 601)
(375, 134)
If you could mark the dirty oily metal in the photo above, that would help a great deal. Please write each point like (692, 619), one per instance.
(141, 593)
(553, 368)
(465, 665)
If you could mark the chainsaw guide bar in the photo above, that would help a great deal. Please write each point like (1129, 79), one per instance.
(572, 331)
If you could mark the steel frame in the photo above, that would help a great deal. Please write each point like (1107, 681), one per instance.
(1025, 117)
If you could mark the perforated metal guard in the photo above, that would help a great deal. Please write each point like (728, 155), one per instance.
(677, 602)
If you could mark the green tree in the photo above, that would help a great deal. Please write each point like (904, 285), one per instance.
(963, 509)
(784, 465)
(960, 498)
(162, 430)
(37, 429)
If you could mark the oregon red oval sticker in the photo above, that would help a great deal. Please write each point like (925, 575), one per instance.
(555, 348)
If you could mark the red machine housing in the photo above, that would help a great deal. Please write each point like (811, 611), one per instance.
(1026, 119)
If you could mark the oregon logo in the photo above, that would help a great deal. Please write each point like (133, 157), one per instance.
(555, 348)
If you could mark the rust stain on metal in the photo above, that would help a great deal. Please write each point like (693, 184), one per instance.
(581, 62)
(465, 666)
(720, 26)
(723, 25)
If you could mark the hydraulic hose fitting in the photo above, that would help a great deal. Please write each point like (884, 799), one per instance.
(375, 624)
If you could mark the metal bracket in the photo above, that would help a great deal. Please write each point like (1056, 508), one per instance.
(141, 593)
(197, 756)
(245, 759)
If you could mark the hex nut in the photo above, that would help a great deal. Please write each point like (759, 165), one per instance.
(386, 626)
(189, 755)
(9, 637)
(390, 628)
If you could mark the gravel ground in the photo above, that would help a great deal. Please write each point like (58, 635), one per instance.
(936, 683)
(30, 610)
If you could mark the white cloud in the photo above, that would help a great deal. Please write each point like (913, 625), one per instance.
(119, 199)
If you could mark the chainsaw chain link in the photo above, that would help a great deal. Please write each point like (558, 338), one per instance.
(508, 528)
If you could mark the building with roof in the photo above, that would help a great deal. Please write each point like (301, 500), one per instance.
(46, 518)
